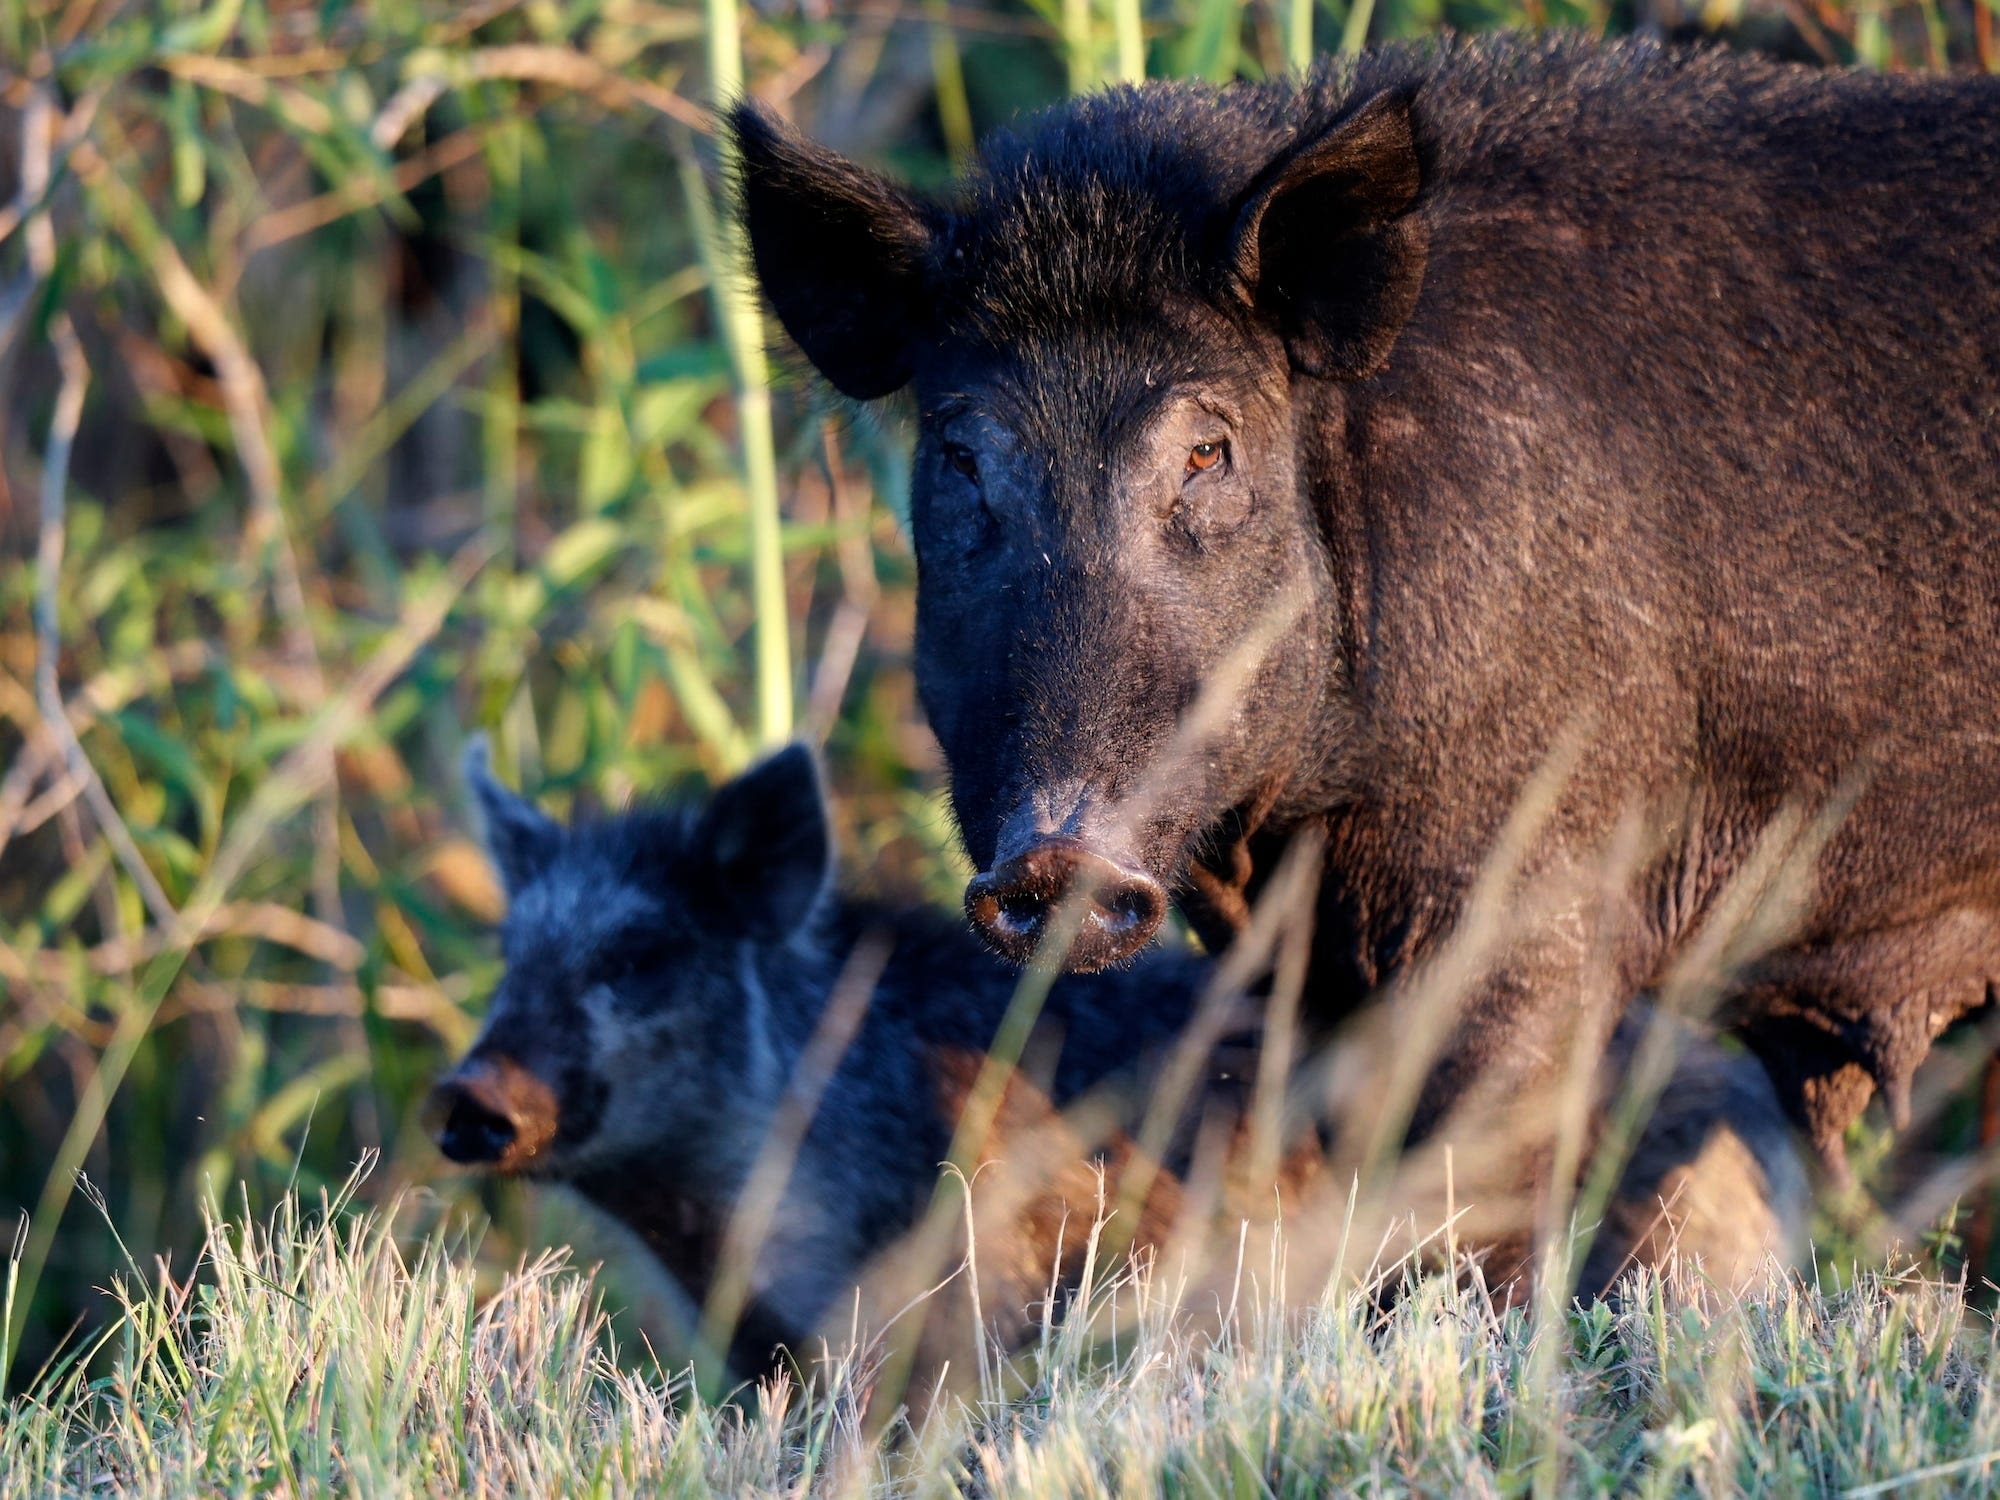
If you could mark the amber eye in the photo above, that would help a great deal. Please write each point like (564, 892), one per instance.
(1204, 456)
(962, 459)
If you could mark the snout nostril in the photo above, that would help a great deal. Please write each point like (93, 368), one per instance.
(473, 1133)
(1127, 907)
(1022, 912)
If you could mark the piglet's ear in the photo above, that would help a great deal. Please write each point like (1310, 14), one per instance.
(1325, 242)
(521, 838)
(767, 844)
(840, 252)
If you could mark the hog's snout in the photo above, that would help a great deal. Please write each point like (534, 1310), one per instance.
(493, 1112)
(1014, 905)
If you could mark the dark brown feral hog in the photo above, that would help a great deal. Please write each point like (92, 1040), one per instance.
(1448, 407)
(668, 969)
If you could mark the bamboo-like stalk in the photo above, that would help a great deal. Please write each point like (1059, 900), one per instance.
(1131, 41)
(743, 329)
(1299, 35)
(1079, 47)
(948, 76)
(1873, 47)
(501, 427)
(1354, 36)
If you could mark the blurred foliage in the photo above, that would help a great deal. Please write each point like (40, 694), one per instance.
(420, 391)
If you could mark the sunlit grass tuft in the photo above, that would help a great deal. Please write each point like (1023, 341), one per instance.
(327, 1349)
(338, 290)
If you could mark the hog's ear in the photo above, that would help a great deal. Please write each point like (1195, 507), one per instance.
(767, 845)
(521, 837)
(1326, 245)
(839, 250)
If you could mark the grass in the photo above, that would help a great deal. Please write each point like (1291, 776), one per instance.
(323, 1351)
(371, 373)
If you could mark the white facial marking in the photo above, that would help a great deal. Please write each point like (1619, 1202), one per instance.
(763, 1060)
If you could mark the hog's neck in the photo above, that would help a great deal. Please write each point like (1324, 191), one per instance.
(682, 1231)
(786, 989)
(901, 952)
(685, 1235)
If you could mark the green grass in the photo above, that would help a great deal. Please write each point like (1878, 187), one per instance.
(322, 1352)
(371, 373)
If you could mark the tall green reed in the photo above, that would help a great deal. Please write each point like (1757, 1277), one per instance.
(743, 326)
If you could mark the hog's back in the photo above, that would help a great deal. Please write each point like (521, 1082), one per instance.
(1693, 444)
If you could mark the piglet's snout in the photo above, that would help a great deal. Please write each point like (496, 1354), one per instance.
(492, 1112)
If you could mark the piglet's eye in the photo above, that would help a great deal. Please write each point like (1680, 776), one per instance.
(1205, 456)
(962, 459)
(634, 961)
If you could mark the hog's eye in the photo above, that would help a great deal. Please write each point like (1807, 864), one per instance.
(635, 960)
(963, 459)
(1205, 456)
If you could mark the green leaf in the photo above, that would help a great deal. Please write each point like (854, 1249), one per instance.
(190, 163)
(607, 465)
(663, 411)
(170, 756)
(581, 549)
(297, 1099)
(205, 32)
(71, 889)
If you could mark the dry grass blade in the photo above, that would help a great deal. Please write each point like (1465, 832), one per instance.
(756, 1214)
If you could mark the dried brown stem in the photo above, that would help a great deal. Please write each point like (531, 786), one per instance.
(302, 218)
(757, 1207)
(227, 76)
(246, 403)
(31, 197)
(859, 591)
(261, 920)
(38, 132)
(530, 62)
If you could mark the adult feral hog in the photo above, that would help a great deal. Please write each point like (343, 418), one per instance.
(671, 975)
(1447, 410)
